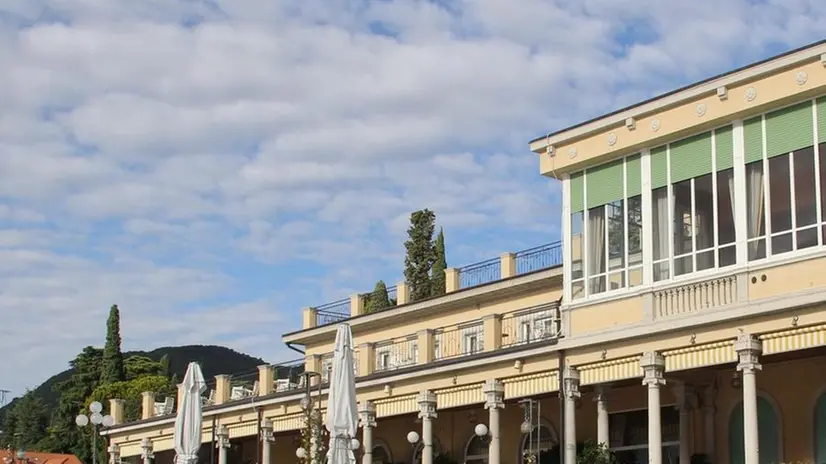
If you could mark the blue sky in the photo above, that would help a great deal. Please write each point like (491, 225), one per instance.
(215, 166)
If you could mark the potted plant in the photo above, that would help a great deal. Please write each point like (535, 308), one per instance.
(595, 453)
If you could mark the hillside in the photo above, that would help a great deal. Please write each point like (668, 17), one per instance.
(213, 359)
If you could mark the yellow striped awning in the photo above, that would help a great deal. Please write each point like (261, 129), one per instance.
(794, 339)
(693, 357)
(609, 371)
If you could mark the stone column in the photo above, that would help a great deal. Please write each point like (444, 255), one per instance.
(367, 420)
(222, 443)
(114, 453)
(603, 430)
(709, 411)
(682, 393)
(653, 365)
(570, 380)
(748, 349)
(267, 439)
(146, 451)
(427, 412)
(494, 391)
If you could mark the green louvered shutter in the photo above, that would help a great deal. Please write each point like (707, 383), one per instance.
(577, 192)
(633, 175)
(691, 157)
(821, 119)
(724, 148)
(659, 167)
(789, 129)
(604, 184)
(753, 139)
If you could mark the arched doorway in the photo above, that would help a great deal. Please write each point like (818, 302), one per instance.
(543, 441)
(381, 453)
(476, 450)
(768, 431)
(820, 429)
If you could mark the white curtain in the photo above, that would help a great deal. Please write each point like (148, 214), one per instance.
(660, 200)
(754, 184)
(596, 248)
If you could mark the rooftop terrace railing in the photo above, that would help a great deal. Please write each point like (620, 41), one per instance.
(472, 275)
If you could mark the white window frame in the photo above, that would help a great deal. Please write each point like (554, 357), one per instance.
(794, 230)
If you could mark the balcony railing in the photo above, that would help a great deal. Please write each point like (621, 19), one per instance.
(327, 365)
(537, 258)
(473, 275)
(397, 354)
(530, 325)
(459, 341)
(336, 311)
(288, 376)
(480, 273)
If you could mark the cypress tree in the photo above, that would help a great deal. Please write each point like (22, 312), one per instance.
(112, 369)
(420, 253)
(165, 370)
(378, 300)
(437, 272)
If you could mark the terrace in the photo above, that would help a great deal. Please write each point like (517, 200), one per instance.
(473, 275)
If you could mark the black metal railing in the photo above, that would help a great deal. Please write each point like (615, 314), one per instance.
(331, 313)
(541, 257)
(289, 376)
(480, 273)
(452, 342)
(530, 325)
(397, 354)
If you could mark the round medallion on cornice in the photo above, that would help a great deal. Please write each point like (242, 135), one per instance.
(701, 109)
(801, 77)
(612, 139)
(751, 94)
(655, 125)
(572, 152)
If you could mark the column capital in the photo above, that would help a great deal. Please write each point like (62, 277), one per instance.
(494, 391)
(222, 437)
(427, 405)
(748, 350)
(601, 392)
(114, 453)
(570, 381)
(653, 366)
(367, 414)
(146, 449)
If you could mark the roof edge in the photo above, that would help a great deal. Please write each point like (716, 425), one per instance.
(683, 93)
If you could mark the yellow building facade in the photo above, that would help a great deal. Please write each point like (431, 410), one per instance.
(680, 319)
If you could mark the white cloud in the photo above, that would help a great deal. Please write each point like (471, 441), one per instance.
(220, 164)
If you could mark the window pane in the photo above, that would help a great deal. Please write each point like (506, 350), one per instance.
(781, 244)
(576, 246)
(725, 206)
(683, 228)
(807, 238)
(704, 212)
(822, 150)
(804, 187)
(596, 248)
(616, 235)
(780, 194)
(635, 230)
(659, 216)
(755, 205)
(727, 256)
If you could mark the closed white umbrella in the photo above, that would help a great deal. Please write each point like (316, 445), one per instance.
(187, 439)
(342, 411)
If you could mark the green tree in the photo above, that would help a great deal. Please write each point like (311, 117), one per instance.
(130, 392)
(378, 299)
(139, 366)
(166, 370)
(26, 423)
(420, 253)
(113, 369)
(593, 453)
(64, 435)
(437, 272)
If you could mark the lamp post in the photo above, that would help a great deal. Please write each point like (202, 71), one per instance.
(531, 414)
(481, 431)
(312, 416)
(413, 439)
(96, 419)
